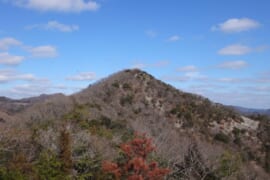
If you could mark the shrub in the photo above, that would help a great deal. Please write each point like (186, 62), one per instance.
(11, 175)
(193, 166)
(17, 168)
(133, 162)
(236, 132)
(222, 137)
(128, 99)
(49, 167)
(116, 85)
(229, 164)
(89, 168)
(126, 86)
(237, 141)
(174, 111)
(105, 121)
(127, 135)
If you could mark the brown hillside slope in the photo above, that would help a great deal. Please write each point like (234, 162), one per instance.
(181, 125)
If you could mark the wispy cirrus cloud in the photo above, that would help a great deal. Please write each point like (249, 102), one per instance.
(187, 73)
(83, 76)
(240, 49)
(235, 49)
(235, 25)
(189, 76)
(196, 75)
(231, 80)
(173, 38)
(190, 68)
(55, 26)
(157, 64)
(36, 87)
(7, 75)
(264, 77)
(58, 5)
(8, 59)
(7, 42)
(30, 89)
(151, 33)
(46, 51)
(233, 64)
(175, 78)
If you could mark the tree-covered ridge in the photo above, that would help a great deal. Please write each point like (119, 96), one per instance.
(69, 137)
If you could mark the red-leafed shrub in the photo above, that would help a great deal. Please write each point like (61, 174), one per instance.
(135, 165)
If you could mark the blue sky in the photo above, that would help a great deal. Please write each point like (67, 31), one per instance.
(218, 49)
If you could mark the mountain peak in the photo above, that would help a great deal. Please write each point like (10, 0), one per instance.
(134, 101)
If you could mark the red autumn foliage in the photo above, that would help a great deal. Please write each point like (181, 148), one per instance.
(111, 168)
(135, 166)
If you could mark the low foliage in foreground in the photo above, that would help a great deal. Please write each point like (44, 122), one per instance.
(133, 162)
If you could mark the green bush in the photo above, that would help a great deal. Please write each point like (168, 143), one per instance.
(237, 141)
(229, 164)
(128, 99)
(17, 167)
(174, 111)
(126, 86)
(89, 168)
(127, 135)
(222, 137)
(11, 175)
(49, 167)
(116, 85)
(236, 132)
(105, 121)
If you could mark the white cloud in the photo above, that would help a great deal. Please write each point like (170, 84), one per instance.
(261, 48)
(59, 5)
(8, 75)
(263, 79)
(46, 51)
(151, 33)
(206, 86)
(195, 75)
(36, 88)
(173, 38)
(190, 68)
(236, 25)
(175, 78)
(235, 49)
(7, 42)
(139, 66)
(160, 64)
(55, 26)
(187, 76)
(29, 90)
(43, 51)
(261, 89)
(231, 80)
(7, 59)
(153, 65)
(233, 65)
(84, 76)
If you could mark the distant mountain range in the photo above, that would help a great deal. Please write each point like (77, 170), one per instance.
(250, 111)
